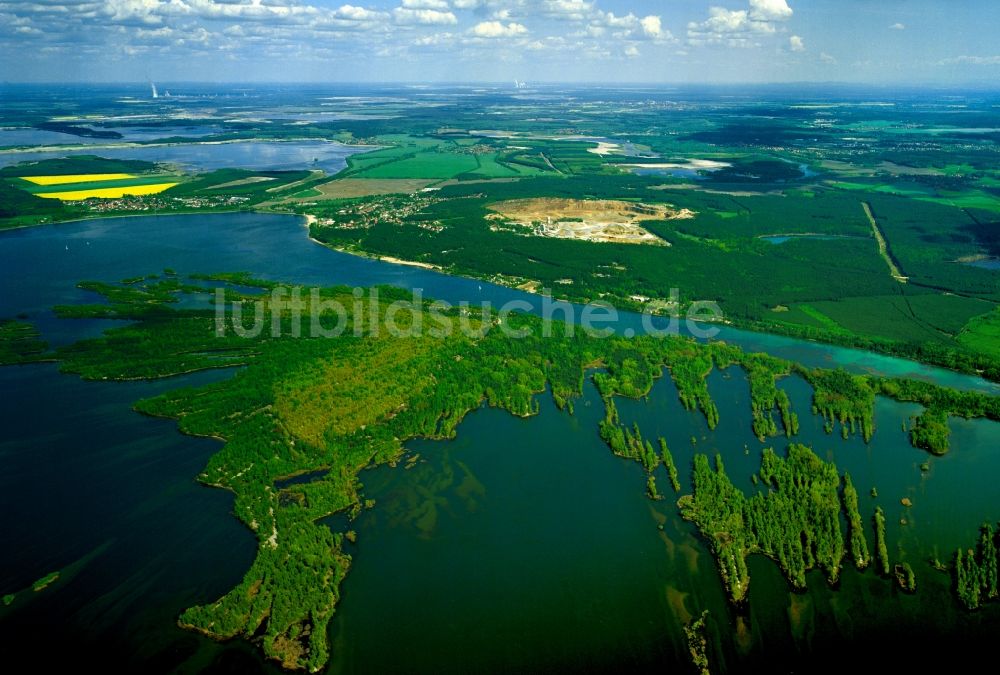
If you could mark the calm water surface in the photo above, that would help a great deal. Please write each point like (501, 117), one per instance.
(329, 156)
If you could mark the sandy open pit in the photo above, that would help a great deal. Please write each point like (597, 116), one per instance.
(692, 164)
(602, 220)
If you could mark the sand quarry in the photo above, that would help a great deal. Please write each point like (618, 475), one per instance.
(603, 220)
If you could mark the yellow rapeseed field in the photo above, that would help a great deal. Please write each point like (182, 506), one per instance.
(76, 178)
(107, 193)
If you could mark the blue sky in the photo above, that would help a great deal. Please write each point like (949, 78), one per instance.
(876, 41)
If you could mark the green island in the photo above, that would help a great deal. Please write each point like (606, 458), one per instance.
(859, 544)
(882, 551)
(976, 570)
(697, 643)
(45, 582)
(905, 577)
(274, 419)
(668, 461)
(20, 342)
(796, 522)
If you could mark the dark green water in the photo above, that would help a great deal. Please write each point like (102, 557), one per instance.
(521, 546)
(525, 546)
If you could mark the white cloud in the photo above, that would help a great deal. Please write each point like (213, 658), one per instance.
(652, 26)
(770, 10)
(352, 13)
(739, 27)
(495, 29)
(425, 17)
(571, 10)
(133, 11)
(303, 31)
(898, 26)
(971, 60)
(725, 25)
(426, 4)
(627, 27)
(254, 10)
(796, 43)
(827, 58)
(435, 40)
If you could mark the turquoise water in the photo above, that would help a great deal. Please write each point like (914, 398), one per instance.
(988, 263)
(521, 546)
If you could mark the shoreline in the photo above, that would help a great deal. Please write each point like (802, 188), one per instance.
(307, 219)
(311, 219)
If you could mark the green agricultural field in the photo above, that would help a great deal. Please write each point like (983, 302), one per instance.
(424, 164)
(242, 182)
(927, 317)
(493, 165)
(77, 164)
(982, 334)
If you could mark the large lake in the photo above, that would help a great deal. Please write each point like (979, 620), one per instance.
(28, 136)
(521, 546)
(329, 156)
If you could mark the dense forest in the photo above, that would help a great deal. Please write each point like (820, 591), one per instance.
(976, 570)
(796, 522)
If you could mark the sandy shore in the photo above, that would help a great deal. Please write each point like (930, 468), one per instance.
(410, 263)
(310, 219)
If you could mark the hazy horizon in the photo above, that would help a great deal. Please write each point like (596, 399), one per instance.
(987, 86)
